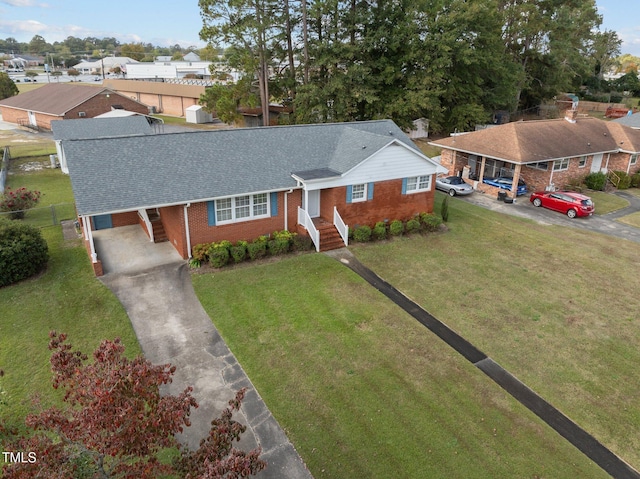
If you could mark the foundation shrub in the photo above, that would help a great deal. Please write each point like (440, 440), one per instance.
(362, 234)
(396, 228)
(258, 248)
(625, 180)
(200, 252)
(239, 251)
(635, 180)
(219, 254)
(281, 242)
(380, 231)
(596, 181)
(301, 243)
(413, 226)
(430, 222)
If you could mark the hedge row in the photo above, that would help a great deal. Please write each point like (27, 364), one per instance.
(224, 252)
(422, 223)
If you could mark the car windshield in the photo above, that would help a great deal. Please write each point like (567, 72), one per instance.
(456, 180)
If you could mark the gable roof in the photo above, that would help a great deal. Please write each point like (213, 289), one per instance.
(122, 174)
(54, 98)
(88, 128)
(544, 140)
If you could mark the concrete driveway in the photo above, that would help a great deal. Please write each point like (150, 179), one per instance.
(604, 224)
(154, 285)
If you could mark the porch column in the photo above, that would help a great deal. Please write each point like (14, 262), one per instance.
(514, 186)
(482, 165)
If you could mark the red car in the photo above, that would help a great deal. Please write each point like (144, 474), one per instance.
(568, 202)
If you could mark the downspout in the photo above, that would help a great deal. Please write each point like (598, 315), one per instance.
(186, 227)
(286, 209)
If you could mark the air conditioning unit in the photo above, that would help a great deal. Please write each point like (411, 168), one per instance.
(152, 110)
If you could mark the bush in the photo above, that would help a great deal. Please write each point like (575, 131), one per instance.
(635, 180)
(380, 231)
(239, 251)
(625, 180)
(23, 252)
(396, 228)
(444, 209)
(596, 181)
(302, 243)
(18, 201)
(430, 222)
(258, 248)
(413, 225)
(199, 252)
(278, 246)
(362, 234)
(219, 254)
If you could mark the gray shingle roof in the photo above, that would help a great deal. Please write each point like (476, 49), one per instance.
(119, 174)
(632, 121)
(89, 128)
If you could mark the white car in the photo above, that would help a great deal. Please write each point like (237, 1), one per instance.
(454, 185)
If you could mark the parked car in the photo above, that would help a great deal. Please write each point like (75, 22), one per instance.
(506, 183)
(454, 185)
(568, 202)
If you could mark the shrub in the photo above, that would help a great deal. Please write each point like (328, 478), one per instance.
(596, 181)
(575, 184)
(257, 249)
(199, 252)
(219, 254)
(17, 201)
(430, 222)
(444, 209)
(625, 180)
(396, 228)
(23, 252)
(302, 243)
(635, 180)
(239, 251)
(362, 234)
(413, 225)
(278, 246)
(380, 230)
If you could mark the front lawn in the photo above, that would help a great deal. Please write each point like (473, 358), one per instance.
(362, 390)
(606, 202)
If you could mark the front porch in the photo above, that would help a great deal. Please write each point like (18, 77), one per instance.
(326, 234)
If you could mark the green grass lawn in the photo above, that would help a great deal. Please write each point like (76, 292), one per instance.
(633, 219)
(606, 202)
(363, 391)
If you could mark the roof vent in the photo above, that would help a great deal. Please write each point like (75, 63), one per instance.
(364, 146)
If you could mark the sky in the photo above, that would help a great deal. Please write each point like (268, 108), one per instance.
(171, 22)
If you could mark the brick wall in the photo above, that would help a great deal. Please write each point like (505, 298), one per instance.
(101, 104)
(12, 115)
(388, 203)
(173, 222)
(201, 232)
(125, 219)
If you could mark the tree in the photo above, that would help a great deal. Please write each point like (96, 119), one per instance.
(72, 72)
(7, 86)
(23, 251)
(116, 422)
(133, 50)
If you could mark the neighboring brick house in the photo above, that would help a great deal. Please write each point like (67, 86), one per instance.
(63, 101)
(204, 186)
(546, 154)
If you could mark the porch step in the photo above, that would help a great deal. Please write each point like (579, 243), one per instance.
(329, 236)
(159, 234)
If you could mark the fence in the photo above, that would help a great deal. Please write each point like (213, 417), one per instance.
(43, 216)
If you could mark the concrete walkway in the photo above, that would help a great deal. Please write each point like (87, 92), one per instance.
(154, 285)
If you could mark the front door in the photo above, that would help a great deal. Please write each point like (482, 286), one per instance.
(596, 164)
(313, 208)
(32, 118)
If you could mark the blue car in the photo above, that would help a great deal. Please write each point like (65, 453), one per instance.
(506, 183)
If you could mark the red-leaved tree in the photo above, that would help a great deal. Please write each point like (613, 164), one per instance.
(116, 422)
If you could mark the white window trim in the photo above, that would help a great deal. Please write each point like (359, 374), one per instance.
(418, 189)
(538, 166)
(634, 159)
(580, 160)
(560, 162)
(233, 209)
(364, 193)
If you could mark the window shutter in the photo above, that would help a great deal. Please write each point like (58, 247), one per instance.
(370, 191)
(274, 203)
(404, 186)
(349, 193)
(211, 212)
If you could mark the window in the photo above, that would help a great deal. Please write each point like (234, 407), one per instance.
(560, 165)
(583, 162)
(241, 208)
(542, 165)
(418, 183)
(359, 192)
(634, 159)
